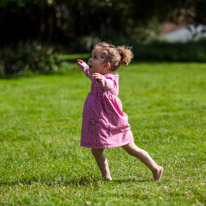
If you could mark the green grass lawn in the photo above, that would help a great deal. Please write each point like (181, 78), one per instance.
(41, 162)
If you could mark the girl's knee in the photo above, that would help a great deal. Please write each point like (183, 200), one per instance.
(131, 152)
(132, 149)
(97, 152)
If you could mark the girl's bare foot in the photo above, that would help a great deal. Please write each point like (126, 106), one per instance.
(157, 174)
(107, 178)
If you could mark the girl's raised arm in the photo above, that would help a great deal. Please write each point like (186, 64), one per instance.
(85, 68)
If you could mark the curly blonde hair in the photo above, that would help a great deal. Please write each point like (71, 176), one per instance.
(116, 56)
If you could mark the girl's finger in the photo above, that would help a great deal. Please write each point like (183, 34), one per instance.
(79, 61)
(96, 75)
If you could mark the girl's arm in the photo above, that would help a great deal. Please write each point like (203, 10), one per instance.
(106, 84)
(85, 68)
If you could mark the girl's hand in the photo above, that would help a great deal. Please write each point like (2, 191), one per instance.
(82, 64)
(79, 62)
(98, 77)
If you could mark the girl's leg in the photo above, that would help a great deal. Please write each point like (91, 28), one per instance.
(142, 155)
(102, 163)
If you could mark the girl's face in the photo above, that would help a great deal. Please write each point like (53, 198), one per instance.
(96, 63)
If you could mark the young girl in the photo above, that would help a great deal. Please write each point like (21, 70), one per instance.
(104, 124)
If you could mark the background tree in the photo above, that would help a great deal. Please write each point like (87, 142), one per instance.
(67, 22)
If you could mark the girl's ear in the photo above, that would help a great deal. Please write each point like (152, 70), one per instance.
(107, 66)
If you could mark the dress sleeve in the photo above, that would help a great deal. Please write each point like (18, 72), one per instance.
(85, 69)
(107, 83)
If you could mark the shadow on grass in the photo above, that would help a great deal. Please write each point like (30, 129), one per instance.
(77, 181)
(132, 180)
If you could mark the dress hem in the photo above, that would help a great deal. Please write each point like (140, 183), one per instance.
(106, 146)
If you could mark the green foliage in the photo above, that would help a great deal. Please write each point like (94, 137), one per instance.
(41, 162)
(157, 50)
(69, 21)
(153, 50)
(28, 57)
(24, 3)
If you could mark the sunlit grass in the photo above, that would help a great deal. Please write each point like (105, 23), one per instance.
(41, 162)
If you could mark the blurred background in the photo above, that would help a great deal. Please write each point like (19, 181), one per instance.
(33, 33)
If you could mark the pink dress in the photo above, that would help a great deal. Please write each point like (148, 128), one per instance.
(104, 124)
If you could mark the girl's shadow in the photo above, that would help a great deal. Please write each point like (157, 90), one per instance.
(131, 180)
(77, 181)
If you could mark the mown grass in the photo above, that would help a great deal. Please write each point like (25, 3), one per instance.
(41, 162)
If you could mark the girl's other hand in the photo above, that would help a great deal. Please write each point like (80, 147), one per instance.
(98, 77)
